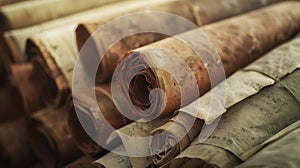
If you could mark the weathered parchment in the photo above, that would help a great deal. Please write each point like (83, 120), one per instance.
(113, 160)
(282, 150)
(262, 73)
(252, 121)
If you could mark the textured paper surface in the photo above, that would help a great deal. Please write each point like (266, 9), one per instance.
(258, 118)
(134, 146)
(29, 13)
(61, 46)
(16, 39)
(253, 121)
(113, 160)
(249, 81)
(283, 150)
(169, 56)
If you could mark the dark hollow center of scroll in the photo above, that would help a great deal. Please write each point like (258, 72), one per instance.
(140, 91)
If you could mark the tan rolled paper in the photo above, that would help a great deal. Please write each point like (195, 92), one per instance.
(112, 160)
(16, 39)
(281, 151)
(135, 147)
(246, 35)
(53, 54)
(249, 123)
(246, 82)
(29, 13)
(51, 139)
(198, 12)
(15, 150)
(88, 111)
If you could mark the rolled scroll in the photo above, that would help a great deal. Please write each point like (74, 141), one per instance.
(248, 39)
(241, 85)
(248, 124)
(282, 150)
(51, 138)
(112, 160)
(88, 111)
(29, 13)
(16, 39)
(192, 10)
(135, 138)
(53, 55)
(14, 148)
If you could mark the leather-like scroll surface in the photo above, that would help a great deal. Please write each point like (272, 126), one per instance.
(14, 148)
(88, 111)
(246, 82)
(195, 11)
(29, 13)
(51, 138)
(281, 151)
(248, 40)
(252, 122)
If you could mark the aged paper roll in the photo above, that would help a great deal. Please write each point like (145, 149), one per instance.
(51, 138)
(241, 85)
(192, 10)
(112, 160)
(16, 39)
(282, 150)
(28, 13)
(251, 122)
(248, 38)
(88, 109)
(134, 146)
(53, 54)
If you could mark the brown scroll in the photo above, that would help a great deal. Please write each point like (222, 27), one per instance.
(29, 13)
(16, 39)
(246, 35)
(15, 150)
(246, 82)
(51, 138)
(192, 10)
(249, 123)
(88, 111)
